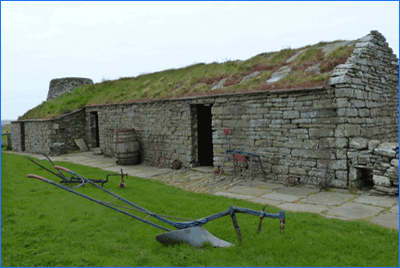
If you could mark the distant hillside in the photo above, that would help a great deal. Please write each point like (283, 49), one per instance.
(305, 67)
(6, 122)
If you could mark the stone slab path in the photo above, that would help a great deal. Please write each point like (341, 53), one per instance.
(336, 204)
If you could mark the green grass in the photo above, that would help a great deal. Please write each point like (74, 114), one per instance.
(46, 226)
(196, 79)
(3, 137)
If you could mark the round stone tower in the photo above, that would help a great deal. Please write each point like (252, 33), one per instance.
(60, 86)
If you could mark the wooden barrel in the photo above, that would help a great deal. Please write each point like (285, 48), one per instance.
(126, 146)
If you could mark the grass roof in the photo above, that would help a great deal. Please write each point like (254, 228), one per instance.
(200, 79)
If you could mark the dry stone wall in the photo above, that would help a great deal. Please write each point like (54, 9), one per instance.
(59, 86)
(313, 134)
(367, 90)
(52, 137)
(16, 136)
(295, 131)
(163, 129)
(376, 164)
(64, 130)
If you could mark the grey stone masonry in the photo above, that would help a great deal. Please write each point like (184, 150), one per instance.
(59, 86)
(164, 129)
(367, 91)
(52, 137)
(337, 131)
(380, 165)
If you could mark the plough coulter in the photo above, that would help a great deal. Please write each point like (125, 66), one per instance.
(191, 232)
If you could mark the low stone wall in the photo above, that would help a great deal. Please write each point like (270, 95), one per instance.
(163, 129)
(60, 86)
(367, 89)
(37, 137)
(376, 164)
(52, 137)
(296, 131)
(16, 136)
(64, 130)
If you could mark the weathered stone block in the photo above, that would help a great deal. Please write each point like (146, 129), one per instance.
(387, 149)
(297, 171)
(393, 172)
(339, 143)
(297, 143)
(364, 112)
(320, 132)
(358, 143)
(339, 183)
(354, 174)
(341, 175)
(344, 92)
(291, 114)
(216, 110)
(381, 181)
(348, 130)
(320, 104)
(337, 164)
(322, 154)
(340, 80)
(310, 144)
(280, 169)
(395, 162)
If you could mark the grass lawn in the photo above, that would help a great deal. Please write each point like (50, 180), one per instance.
(42, 225)
(3, 137)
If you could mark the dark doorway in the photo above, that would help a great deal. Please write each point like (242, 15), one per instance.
(94, 129)
(366, 179)
(22, 126)
(204, 134)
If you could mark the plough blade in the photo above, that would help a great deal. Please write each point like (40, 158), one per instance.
(194, 236)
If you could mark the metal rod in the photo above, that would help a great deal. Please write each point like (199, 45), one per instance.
(61, 177)
(97, 201)
(59, 172)
(178, 225)
(120, 198)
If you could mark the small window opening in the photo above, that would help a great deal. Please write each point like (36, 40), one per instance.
(366, 179)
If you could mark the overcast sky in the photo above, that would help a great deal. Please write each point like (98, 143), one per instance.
(45, 40)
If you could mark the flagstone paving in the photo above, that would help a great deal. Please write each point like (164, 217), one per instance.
(328, 198)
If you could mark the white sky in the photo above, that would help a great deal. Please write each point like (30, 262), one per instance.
(45, 40)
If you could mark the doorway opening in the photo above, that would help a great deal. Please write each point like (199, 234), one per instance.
(366, 179)
(94, 130)
(204, 134)
(22, 128)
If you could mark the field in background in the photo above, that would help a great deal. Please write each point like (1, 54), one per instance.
(43, 225)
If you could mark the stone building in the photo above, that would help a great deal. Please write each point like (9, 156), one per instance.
(59, 86)
(308, 133)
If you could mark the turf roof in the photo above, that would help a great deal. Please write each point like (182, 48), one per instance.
(305, 67)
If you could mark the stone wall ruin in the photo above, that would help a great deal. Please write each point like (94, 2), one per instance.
(59, 86)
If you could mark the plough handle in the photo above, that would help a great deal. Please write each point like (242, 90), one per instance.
(36, 177)
(184, 225)
(175, 224)
(94, 200)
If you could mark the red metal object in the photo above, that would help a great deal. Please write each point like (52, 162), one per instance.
(226, 131)
(61, 168)
(219, 171)
(36, 177)
(240, 158)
